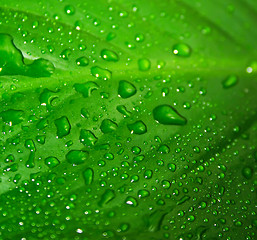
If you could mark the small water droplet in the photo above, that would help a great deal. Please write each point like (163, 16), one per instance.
(230, 81)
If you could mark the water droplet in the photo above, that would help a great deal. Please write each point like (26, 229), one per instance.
(88, 175)
(109, 55)
(76, 157)
(172, 167)
(167, 115)
(52, 162)
(63, 126)
(107, 197)
(137, 127)
(82, 61)
(86, 88)
(46, 97)
(12, 61)
(40, 139)
(230, 81)
(87, 138)
(101, 73)
(247, 172)
(110, 36)
(154, 221)
(29, 143)
(30, 163)
(126, 89)
(166, 184)
(131, 201)
(181, 49)
(252, 67)
(123, 227)
(144, 64)
(183, 200)
(148, 174)
(12, 117)
(69, 10)
(139, 37)
(164, 149)
(42, 123)
(136, 150)
(123, 110)
(143, 193)
(108, 126)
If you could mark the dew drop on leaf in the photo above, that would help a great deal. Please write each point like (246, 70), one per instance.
(85, 88)
(131, 201)
(126, 89)
(109, 55)
(230, 81)
(167, 115)
(65, 54)
(88, 175)
(87, 137)
(101, 73)
(247, 172)
(137, 127)
(182, 50)
(12, 117)
(69, 10)
(76, 157)
(144, 64)
(108, 126)
(82, 61)
(63, 126)
(106, 197)
(52, 162)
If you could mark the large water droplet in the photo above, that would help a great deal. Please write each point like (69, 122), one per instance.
(86, 88)
(87, 137)
(12, 117)
(52, 162)
(109, 55)
(167, 115)
(126, 89)
(182, 50)
(76, 157)
(144, 64)
(82, 61)
(108, 196)
(108, 126)
(63, 126)
(131, 201)
(137, 127)
(88, 175)
(12, 61)
(101, 73)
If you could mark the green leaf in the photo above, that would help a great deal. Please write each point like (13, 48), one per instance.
(128, 119)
